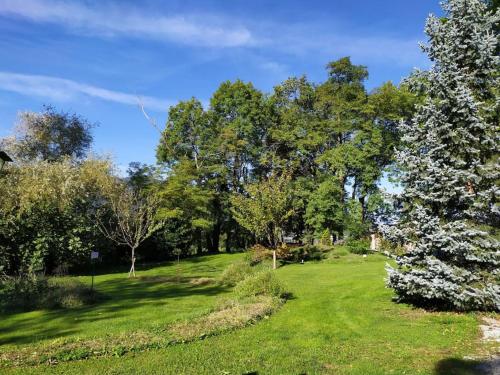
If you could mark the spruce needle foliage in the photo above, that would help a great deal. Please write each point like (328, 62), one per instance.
(451, 171)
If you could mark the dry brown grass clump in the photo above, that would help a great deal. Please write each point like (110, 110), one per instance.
(200, 281)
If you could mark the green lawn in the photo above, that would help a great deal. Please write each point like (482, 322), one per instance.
(340, 320)
(153, 298)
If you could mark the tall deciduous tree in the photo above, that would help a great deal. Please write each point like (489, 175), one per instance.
(450, 160)
(223, 143)
(49, 135)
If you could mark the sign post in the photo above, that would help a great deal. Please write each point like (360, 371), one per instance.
(93, 256)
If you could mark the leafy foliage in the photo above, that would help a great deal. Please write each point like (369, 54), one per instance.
(358, 246)
(304, 253)
(49, 135)
(264, 209)
(48, 214)
(330, 137)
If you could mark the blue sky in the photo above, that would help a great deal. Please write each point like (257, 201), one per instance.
(97, 58)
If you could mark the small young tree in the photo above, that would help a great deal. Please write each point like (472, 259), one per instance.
(133, 219)
(264, 209)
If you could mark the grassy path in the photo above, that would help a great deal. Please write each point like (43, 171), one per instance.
(340, 321)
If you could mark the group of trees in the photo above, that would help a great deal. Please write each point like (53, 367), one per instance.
(305, 160)
(332, 140)
(57, 205)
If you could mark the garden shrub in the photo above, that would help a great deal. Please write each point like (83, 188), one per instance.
(261, 283)
(284, 252)
(339, 251)
(257, 254)
(358, 246)
(306, 252)
(234, 273)
(34, 292)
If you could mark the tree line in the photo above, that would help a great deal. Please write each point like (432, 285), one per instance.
(332, 140)
(302, 162)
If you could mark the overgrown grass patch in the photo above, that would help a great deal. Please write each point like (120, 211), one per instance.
(35, 292)
(260, 283)
(232, 314)
(235, 273)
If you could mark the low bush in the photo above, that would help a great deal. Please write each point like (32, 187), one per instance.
(68, 293)
(34, 292)
(235, 273)
(261, 283)
(306, 252)
(358, 246)
(339, 251)
(284, 252)
(23, 293)
(257, 254)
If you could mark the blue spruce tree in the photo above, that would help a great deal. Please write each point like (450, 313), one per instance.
(451, 168)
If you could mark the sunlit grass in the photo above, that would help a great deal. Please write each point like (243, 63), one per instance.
(340, 320)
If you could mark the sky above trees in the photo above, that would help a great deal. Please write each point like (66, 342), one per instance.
(97, 57)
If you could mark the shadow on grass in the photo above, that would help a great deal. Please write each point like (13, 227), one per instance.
(456, 366)
(107, 269)
(123, 297)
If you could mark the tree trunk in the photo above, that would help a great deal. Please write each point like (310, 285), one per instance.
(274, 259)
(363, 208)
(213, 239)
(228, 241)
(343, 180)
(132, 268)
(199, 240)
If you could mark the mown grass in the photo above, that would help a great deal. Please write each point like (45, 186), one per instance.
(340, 320)
(158, 296)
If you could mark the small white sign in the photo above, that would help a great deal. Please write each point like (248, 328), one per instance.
(94, 255)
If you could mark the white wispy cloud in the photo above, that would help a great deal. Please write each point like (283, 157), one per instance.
(307, 39)
(60, 89)
(109, 20)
